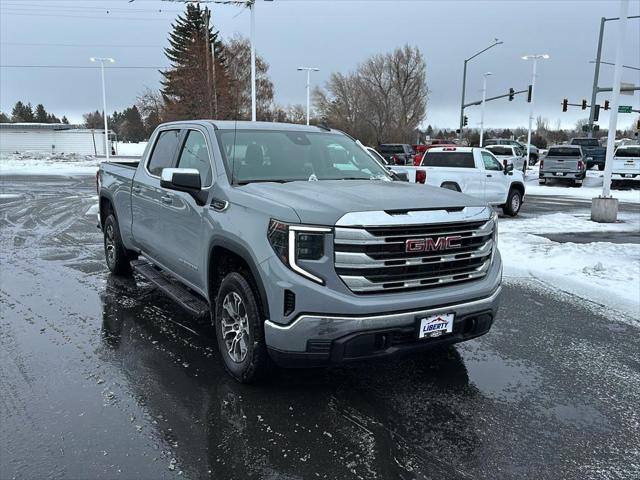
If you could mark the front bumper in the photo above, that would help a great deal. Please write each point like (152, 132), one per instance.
(315, 340)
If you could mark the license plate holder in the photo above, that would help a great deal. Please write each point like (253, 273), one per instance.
(435, 325)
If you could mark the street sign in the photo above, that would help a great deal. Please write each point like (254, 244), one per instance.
(624, 108)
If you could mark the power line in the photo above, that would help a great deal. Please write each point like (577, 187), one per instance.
(109, 17)
(28, 44)
(120, 67)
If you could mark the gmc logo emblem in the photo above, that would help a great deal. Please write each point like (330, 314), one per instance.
(414, 245)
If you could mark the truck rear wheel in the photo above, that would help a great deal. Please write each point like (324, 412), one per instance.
(116, 255)
(239, 329)
(514, 202)
(601, 167)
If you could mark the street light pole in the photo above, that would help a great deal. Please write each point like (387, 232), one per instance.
(104, 102)
(252, 8)
(535, 58)
(484, 98)
(464, 81)
(308, 70)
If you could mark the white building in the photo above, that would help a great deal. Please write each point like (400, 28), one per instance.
(52, 138)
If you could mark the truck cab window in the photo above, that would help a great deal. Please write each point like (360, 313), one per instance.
(195, 154)
(163, 151)
(490, 162)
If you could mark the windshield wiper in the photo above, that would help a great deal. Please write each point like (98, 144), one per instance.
(246, 182)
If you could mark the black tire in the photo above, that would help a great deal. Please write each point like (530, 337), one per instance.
(514, 202)
(601, 167)
(542, 181)
(116, 255)
(590, 165)
(245, 355)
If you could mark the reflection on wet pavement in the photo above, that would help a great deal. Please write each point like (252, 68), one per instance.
(103, 377)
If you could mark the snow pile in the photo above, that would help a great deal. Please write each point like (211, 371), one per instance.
(606, 273)
(591, 187)
(40, 163)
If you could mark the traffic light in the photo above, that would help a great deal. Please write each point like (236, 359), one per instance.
(529, 93)
(596, 112)
(565, 104)
(511, 94)
(584, 104)
(606, 104)
(465, 120)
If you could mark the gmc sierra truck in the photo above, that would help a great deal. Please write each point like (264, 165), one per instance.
(298, 246)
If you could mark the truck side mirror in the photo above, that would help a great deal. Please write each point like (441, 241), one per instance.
(181, 179)
(508, 168)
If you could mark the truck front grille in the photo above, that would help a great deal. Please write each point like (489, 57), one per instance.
(377, 259)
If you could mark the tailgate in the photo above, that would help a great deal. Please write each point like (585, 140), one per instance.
(626, 165)
(560, 164)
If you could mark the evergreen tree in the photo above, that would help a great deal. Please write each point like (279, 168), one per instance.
(22, 113)
(65, 120)
(4, 118)
(188, 86)
(41, 114)
(93, 120)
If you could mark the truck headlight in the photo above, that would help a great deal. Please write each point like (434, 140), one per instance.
(297, 242)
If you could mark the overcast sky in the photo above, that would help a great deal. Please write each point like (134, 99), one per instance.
(334, 35)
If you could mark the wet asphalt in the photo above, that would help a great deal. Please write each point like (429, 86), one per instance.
(104, 377)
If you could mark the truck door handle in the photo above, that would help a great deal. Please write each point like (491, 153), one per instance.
(166, 199)
(489, 175)
(136, 189)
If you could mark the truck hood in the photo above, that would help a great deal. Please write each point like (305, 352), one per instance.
(324, 202)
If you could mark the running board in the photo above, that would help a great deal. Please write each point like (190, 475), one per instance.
(188, 300)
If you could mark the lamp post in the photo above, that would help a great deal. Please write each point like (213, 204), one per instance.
(308, 70)
(484, 97)
(104, 102)
(464, 80)
(535, 58)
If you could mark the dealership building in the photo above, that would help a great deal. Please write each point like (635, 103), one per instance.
(52, 138)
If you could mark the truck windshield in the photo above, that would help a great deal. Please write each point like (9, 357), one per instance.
(586, 142)
(563, 152)
(285, 156)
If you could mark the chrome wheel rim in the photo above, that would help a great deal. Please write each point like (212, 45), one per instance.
(515, 202)
(110, 245)
(235, 327)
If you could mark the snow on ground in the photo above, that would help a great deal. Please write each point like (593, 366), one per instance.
(591, 188)
(603, 272)
(130, 149)
(39, 163)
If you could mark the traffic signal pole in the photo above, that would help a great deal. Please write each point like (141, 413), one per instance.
(596, 75)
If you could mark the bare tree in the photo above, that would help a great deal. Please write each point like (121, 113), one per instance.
(384, 100)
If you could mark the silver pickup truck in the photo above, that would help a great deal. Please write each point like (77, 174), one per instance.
(565, 163)
(299, 247)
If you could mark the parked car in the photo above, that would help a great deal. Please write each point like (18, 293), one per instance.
(535, 153)
(473, 171)
(564, 163)
(626, 165)
(510, 154)
(593, 152)
(397, 172)
(298, 246)
(397, 153)
(438, 143)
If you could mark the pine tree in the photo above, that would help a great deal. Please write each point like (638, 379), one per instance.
(41, 114)
(22, 113)
(4, 118)
(65, 120)
(188, 86)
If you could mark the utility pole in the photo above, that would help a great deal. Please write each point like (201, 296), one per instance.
(104, 102)
(533, 89)
(605, 208)
(252, 9)
(308, 70)
(484, 98)
(464, 82)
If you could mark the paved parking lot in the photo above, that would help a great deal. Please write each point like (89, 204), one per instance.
(106, 378)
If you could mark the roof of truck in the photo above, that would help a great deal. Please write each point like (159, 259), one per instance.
(247, 125)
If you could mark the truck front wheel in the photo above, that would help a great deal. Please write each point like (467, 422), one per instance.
(514, 202)
(239, 329)
(114, 251)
